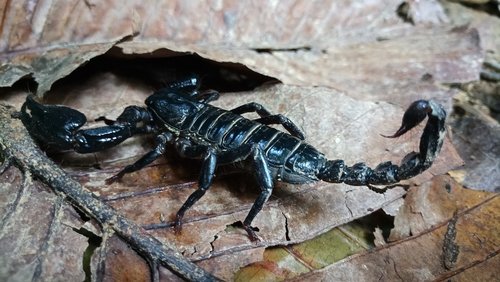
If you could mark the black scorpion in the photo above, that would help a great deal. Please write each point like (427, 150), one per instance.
(181, 115)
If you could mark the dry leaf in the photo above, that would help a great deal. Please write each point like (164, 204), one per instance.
(47, 40)
(476, 237)
(376, 63)
(295, 213)
(114, 260)
(37, 231)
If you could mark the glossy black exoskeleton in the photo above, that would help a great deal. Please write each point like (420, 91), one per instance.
(182, 116)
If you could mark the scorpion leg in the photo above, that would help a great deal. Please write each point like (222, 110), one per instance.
(187, 149)
(210, 159)
(161, 142)
(189, 84)
(414, 163)
(267, 118)
(265, 181)
(251, 107)
(204, 182)
(207, 96)
(285, 122)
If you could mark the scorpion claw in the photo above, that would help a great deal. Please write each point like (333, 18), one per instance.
(106, 120)
(414, 115)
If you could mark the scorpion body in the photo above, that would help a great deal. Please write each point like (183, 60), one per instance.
(182, 116)
(288, 158)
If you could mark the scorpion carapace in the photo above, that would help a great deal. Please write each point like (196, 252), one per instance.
(181, 115)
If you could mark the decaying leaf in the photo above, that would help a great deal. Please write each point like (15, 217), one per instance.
(38, 231)
(476, 135)
(430, 205)
(487, 25)
(114, 260)
(423, 12)
(477, 238)
(422, 256)
(368, 63)
(47, 40)
(226, 34)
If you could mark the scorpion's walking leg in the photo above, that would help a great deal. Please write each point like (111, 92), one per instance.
(189, 84)
(413, 164)
(161, 143)
(285, 122)
(265, 181)
(262, 174)
(210, 160)
(189, 150)
(204, 182)
(207, 96)
(267, 118)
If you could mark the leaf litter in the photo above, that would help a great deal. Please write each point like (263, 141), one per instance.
(359, 89)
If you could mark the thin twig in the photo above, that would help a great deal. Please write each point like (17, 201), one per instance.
(18, 147)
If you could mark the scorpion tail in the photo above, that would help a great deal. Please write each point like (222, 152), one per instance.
(413, 164)
(414, 115)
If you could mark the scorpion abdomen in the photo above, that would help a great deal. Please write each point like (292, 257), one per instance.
(289, 159)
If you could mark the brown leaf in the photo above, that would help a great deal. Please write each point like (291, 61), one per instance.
(225, 33)
(116, 261)
(488, 25)
(430, 205)
(374, 70)
(476, 134)
(377, 63)
(287, 262)
(264, 25)
(47, 40)
(423, 12)
(476, 237)
(37, 231)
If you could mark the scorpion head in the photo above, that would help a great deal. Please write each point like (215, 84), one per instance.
(172, 108)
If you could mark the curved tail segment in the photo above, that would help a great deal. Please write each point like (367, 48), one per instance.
(413, 164)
